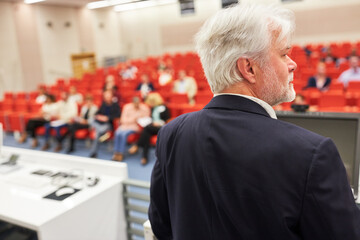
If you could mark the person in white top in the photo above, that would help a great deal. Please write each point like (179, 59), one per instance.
(67, 111)
(49, 111)
(83, 121)
(41, 98)
(352, 74)
(75, 96)
(187, 85)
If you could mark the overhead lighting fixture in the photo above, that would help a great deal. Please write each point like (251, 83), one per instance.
(32, 1)
(98, 4)
(106, 3)
(143, 4)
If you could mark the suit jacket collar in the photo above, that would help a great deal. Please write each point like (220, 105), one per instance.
(236, 103)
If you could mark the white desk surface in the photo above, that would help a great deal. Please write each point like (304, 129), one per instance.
(21, 193)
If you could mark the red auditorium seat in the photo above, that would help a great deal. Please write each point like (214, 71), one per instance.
(82, 134)
(331, 102)
(21, 96)
(312, 95)
(178, 98)
(153, 140)
(34, 107)
(8, 96)
(353, 92)
(21, 106)
(133, 138)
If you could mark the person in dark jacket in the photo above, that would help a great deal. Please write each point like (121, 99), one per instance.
(320, 80)
(103, 122)
(145, 87)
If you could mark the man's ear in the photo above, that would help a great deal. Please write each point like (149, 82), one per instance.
(245, 67)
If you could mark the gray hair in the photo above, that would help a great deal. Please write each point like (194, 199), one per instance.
(240, 31)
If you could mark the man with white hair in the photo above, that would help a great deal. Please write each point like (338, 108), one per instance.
(232, 170)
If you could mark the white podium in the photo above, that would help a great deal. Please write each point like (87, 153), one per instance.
(94, 212)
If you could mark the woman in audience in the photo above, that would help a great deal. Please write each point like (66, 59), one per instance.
(130, 115)
(49, 111)
(41, 98)
(87, 114)
(67, 111)
(75, 96)
(159, 115)
(320, 80)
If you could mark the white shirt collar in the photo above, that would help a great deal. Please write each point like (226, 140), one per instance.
(265, 105)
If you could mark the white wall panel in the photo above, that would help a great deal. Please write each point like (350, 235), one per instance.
(10, 63)
(58, 41)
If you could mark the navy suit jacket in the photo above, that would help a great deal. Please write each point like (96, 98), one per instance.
(230, 172)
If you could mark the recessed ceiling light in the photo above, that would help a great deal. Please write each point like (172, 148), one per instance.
(32, 1)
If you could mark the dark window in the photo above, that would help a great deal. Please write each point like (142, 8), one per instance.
(226, 3)
(187, 7)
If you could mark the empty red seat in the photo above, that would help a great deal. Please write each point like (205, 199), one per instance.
(178, 98)
(331, 102)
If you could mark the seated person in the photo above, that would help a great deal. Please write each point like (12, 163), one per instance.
(110, 85)
(49, 111)
(103, 122)
(159, 115)
(165, 77)
(130, 114)
(83, 121)
(42, 96)
(320, 80)
(129, 72)
(67, 111)
(75, 96)
(187, 85)
(352, 74)
(145, 86)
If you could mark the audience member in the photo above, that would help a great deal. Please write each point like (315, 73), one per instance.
(129, 73)
(67, 111)
(187, 85)
(352, 74)
(165, 77)
(145, 87)
(86, 117)
(49, 111)
(130, 114)
(75, 96)
(159, 115)
(320, 80)
(104, 117)
(42, 96)
(110, 85)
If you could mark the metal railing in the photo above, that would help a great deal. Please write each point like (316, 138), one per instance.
(136, 203)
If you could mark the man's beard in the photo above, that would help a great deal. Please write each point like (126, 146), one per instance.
(273, 92)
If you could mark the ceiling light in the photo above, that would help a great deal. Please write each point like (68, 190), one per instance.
(98, 4)
(144, 4)
(32, 1)
(106, 3)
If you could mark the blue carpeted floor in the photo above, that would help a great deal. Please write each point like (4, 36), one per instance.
(136, 170)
